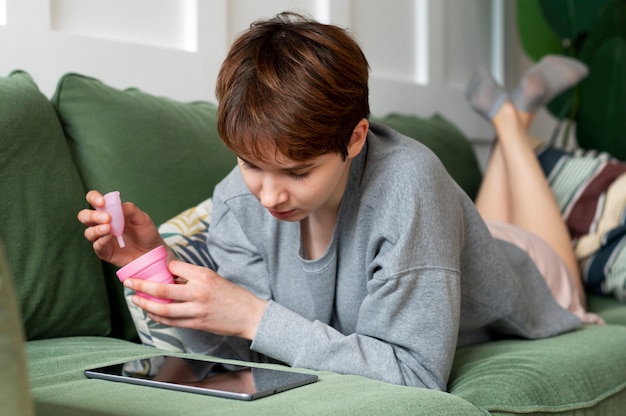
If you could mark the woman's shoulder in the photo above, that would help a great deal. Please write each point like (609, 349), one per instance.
(395, 161)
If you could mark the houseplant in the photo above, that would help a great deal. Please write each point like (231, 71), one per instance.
(594, 32)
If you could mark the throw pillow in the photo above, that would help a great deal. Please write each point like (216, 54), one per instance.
(186, 235)
(59, 281)
(163, 155)
(590, 188)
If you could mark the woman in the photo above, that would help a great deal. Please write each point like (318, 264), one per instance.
(338, 244)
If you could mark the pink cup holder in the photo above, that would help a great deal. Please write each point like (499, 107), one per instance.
(151, 266)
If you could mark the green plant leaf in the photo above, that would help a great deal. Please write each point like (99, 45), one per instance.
(611, 21)
(536, 36)
(571, 18)
(601, 121)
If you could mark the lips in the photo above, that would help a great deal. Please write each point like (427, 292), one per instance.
(281, 215)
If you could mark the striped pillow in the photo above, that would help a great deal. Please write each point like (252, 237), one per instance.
(590, 188)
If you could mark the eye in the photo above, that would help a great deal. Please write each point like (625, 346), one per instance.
(299, 176)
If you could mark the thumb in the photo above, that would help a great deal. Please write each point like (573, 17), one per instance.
(188, 271)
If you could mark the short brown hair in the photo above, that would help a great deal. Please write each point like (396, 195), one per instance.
(295, 84)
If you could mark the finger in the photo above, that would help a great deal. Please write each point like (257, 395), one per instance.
(90, 217)
(176, 322)
(170, 310)
(133, 214)
(100, 247)
(173, 292)
(189, 271)
(97, 232)
(154, 309)
(95, 199)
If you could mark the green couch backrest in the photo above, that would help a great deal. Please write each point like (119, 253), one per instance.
(58, 280)
(162, 154)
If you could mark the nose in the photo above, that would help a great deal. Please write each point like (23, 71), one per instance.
(273, 193)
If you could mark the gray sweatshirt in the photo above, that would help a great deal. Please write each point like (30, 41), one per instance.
(411, 273)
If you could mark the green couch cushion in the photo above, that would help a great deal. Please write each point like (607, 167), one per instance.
(609, 308)
(14, 386)
(58, 280)
(161, 154)
(60, 388)
(446, 141)
(582, 372)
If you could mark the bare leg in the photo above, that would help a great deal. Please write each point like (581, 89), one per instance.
(514, 188)
(530, 202)
(486, 96)
(526, 119)
(495, 184)
(493, 200)
(533, 206)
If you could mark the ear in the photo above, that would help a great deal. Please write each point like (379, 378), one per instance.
(357, 141)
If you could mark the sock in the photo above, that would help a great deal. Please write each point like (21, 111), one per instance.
(484, 94)
(552, 75)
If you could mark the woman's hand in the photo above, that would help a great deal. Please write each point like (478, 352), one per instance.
(140, 233)
(205, 301)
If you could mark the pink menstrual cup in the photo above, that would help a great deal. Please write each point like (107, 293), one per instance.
(151, 266)
(113, 205)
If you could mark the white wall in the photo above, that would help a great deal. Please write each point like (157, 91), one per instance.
(422, 52)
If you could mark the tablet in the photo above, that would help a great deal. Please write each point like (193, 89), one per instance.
(203, 377)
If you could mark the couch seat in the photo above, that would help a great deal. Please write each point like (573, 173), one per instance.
(59, 388)
(578, 373)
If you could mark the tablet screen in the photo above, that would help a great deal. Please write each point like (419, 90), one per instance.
(203, 377)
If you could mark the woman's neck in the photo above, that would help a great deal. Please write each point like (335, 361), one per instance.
(317, 229)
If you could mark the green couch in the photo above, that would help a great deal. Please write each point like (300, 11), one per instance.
(166, 156)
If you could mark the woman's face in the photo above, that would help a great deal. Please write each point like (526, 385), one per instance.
(292, 190)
